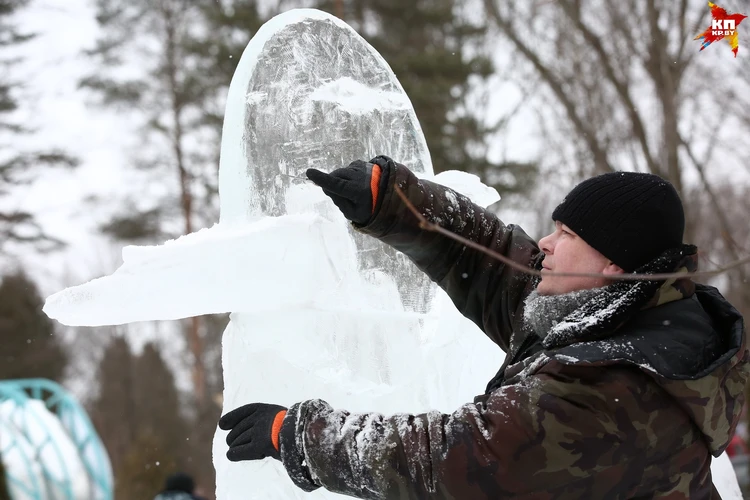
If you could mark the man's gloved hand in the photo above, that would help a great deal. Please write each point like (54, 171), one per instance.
(355, 189)
(254, 431)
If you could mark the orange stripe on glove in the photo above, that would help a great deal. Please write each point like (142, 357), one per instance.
(374, 184)
(276, 429)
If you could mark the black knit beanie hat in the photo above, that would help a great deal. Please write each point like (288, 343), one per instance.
(630, 218)
(179, 481)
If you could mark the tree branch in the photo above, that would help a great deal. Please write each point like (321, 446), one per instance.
(726, 234)
(589, 135)
(620, 86)
(429, 226)
(683, 35)
(666, 86)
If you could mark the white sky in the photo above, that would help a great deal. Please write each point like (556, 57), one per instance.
(66, 118)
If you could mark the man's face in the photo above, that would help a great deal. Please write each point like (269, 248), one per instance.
(566, 252)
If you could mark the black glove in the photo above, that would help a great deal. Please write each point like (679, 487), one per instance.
(355, 189)
(254, 431)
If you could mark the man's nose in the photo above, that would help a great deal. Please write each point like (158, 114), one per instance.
(546, 244)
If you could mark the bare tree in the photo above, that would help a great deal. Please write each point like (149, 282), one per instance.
(627, 89)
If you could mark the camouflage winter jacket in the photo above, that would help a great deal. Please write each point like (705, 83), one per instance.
(627, 397)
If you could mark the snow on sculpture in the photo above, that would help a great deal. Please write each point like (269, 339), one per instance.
(318, 310)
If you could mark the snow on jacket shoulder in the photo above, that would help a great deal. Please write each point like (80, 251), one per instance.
(632, 405)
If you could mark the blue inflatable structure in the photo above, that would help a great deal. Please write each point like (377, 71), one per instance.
(48, 445)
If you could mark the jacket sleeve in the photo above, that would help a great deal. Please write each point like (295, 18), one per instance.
(483, 289)
(535, 436)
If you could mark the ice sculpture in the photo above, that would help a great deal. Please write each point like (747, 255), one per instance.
(317, 309)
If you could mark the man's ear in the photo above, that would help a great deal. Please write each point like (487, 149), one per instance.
(612, 269)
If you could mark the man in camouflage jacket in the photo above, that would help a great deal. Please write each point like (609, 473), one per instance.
(610, 389)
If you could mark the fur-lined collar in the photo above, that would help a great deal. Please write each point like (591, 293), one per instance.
(606, 309)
